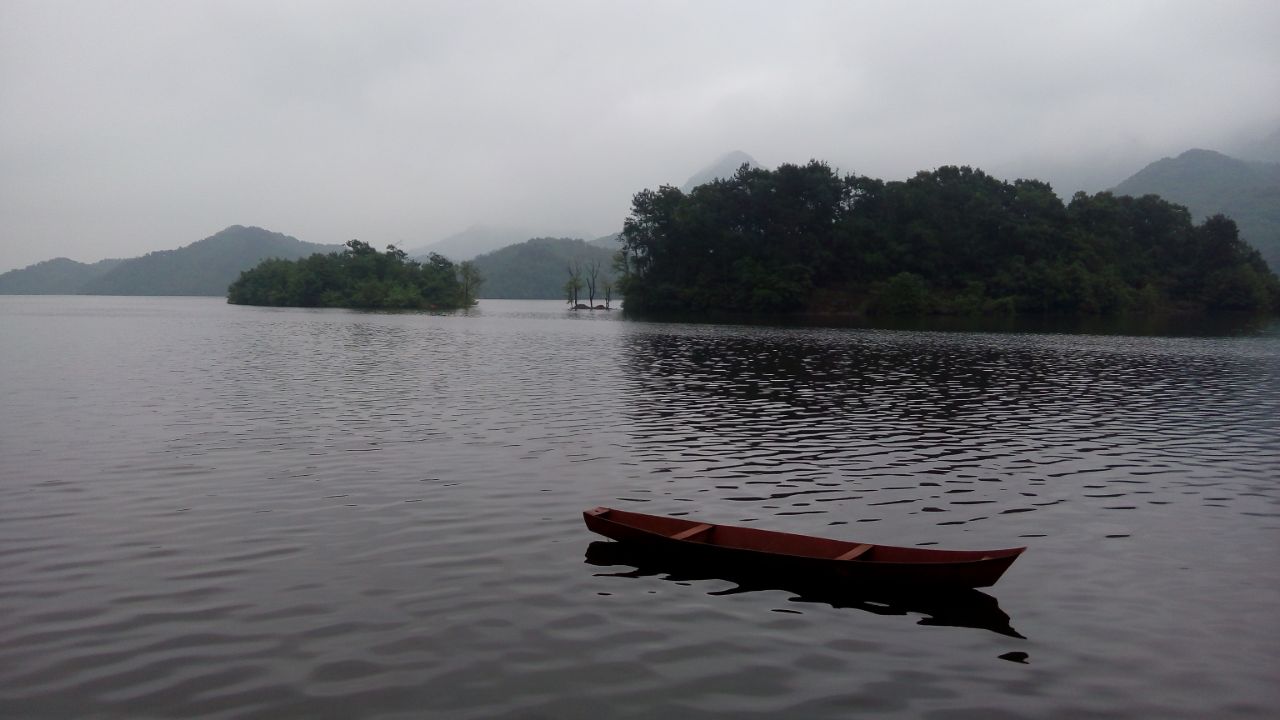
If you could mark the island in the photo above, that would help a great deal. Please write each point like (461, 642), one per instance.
(804, 240)
(359, 277)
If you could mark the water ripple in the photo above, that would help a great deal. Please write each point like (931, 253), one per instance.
(217, 511)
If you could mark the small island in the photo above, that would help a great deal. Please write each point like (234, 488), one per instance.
(359, 277)
(803, 240)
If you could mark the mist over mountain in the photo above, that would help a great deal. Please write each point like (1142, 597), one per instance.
(609, 242)
(537, 269)
(1266, 149)
(1208, 183)
(724, 167)
(205, 267)
(475, 240)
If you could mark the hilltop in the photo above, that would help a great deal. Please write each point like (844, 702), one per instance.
(205, 267)
(1209, 183)
(724, 167)
(59, 276)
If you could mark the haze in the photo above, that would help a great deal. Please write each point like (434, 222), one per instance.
(127, 127)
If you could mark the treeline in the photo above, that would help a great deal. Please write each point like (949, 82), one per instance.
(952, 241)
(358, 277)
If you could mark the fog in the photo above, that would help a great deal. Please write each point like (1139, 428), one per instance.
(127, 127)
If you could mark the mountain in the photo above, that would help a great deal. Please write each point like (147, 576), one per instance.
(1208, 183)
(59, 276)
(538, 268)
(609, 242)
(473, 241)
(1265, 150)
(205, 267)
(725, 167)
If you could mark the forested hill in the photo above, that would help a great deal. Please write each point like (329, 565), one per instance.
(538, 268)
(1209, 183)
(801, 239)
(205, 267)
(59, 276)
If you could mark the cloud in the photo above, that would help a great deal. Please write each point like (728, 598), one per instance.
(133, 126)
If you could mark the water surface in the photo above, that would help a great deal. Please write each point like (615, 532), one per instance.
(220, 511)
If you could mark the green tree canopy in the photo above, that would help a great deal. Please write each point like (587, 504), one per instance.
(358, 277)
(952, 240)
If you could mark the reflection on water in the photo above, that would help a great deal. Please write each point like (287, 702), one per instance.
(964, 428)
(1135, 325)
(228, 512)
(952, 608)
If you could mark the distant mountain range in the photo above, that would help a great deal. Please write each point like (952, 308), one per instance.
(205, 267)
(515, 266)
(475, 240)
(538, 268)
(1208, 183)
(59, 276)
(610, 242)
(471, 242)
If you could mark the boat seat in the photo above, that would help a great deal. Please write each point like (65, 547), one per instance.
(686, 534)
(855, 552)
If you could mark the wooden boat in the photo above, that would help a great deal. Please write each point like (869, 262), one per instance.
(803, 555)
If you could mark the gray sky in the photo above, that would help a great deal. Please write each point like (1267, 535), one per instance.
(130, 126)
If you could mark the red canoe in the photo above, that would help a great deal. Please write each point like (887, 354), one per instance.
(875, 565)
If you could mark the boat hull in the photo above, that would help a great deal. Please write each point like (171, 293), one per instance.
(802, 556)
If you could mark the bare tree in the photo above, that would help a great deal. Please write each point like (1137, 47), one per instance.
(575, 283)
(593, 272)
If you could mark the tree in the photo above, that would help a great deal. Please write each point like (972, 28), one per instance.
(471, 280)
(950, 240)
(358, 277)
(574, 285)
(592, 275)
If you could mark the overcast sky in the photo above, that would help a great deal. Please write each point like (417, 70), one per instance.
(133, 126)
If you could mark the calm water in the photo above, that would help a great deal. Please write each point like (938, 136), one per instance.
(218, 511)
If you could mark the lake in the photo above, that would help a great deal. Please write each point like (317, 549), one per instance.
(233, 512)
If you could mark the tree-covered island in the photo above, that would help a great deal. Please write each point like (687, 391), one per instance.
(359, 277)
(802, 239)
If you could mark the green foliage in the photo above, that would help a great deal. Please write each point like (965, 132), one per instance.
(953, 240)
(1209, 183)
(905, 294)
(358, 277)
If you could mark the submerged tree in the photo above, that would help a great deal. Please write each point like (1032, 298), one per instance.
(574, 284)
(592, 275)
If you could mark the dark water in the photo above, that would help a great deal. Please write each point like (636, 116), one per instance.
(217, 511)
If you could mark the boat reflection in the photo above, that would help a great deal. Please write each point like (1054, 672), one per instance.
(950, 608)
